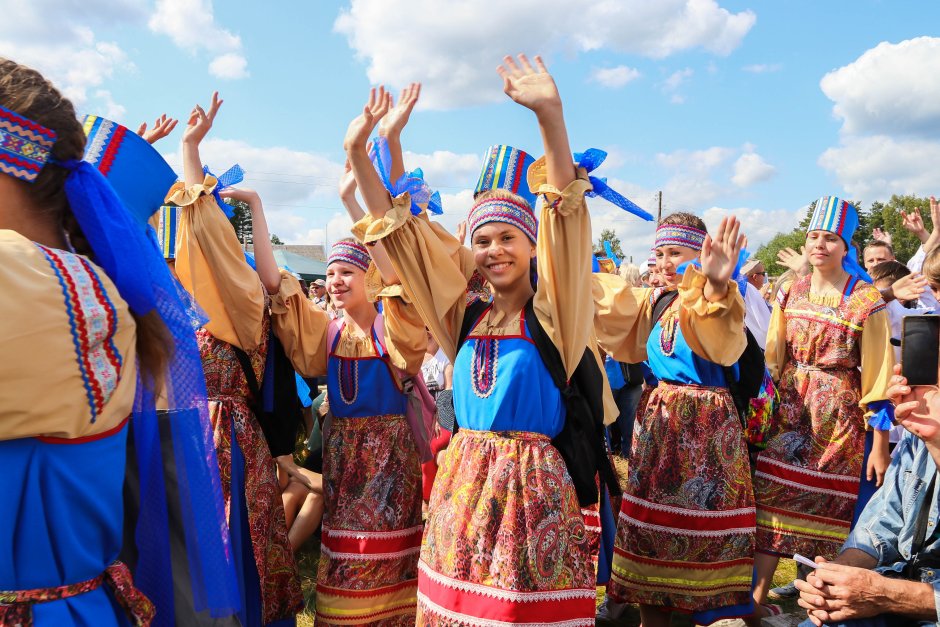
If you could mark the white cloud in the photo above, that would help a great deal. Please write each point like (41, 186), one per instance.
(191, 25)
(888, 101)
(673, 82)
(111, 110)
(445, 170)
(229, 66)
(750, 168)
(759, 225)
(763, 68)
(298, 188)
(56, 38)
(891, 88)
(615, 77)
(453, 53)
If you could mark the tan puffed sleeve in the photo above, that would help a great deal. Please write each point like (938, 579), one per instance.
(563, 296)
(68, 358)
(713, 330)
(406, 338)
(211, 266)
(623, 317)
(301, 327)
(877, 358)
(430, 262)
(775, 353)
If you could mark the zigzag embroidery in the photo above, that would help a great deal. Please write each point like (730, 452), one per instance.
(698, 533)
(695, 513)
(97, 145)
(369, 556)
(365, 535)
(26, 133)
(18, 173)
(473, 621)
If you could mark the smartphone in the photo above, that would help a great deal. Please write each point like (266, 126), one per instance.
(920, 349)
(805, 561)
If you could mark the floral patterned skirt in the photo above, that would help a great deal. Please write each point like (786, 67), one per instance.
(685, 538)
(372, 523)
(807, 478)
(505, 540)
(281, 596)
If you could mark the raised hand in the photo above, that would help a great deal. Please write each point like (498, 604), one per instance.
(533, 88)
(393, 123)
(359, 130)
(241, 194)
(201, 121)
(792, 260)
(462, 232)
(347, 182)
(910, 287)
(880, 235)
(914, 223)
(934, 240)
(162, 127)
(720, 254)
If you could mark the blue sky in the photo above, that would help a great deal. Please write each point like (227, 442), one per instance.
(726, 106)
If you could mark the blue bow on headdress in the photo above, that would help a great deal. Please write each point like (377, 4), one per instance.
(233, 176)
(610, 253)
(590, 160)
(412, 182)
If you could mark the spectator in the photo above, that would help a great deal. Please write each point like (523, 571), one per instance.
(318, 293)
(630, 273)
(887, 572)
(755, 273)
(876, 252)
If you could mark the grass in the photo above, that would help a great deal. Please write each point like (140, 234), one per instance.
(309, 555)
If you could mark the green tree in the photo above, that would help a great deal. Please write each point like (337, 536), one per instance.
(887, 217)
(241, 221)
(276, 240)
(608, 235)
(767, 253)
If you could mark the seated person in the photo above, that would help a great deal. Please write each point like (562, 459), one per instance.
(888, 572)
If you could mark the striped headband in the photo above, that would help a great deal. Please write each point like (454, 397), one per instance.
(506, 210)
(25, 147)
(350, 252)
(679, 235)
(836, 216)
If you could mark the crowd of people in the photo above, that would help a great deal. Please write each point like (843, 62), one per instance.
(459, 464)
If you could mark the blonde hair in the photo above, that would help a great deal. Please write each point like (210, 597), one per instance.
(630, 273)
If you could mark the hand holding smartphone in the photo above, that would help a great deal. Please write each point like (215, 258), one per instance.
(920, 349)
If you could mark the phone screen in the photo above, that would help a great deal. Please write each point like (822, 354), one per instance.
(920, 349)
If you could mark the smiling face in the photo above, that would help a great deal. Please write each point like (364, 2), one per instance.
(668, 260)
(825, 249)
(503, 254)
(875, 254)
(346, 284)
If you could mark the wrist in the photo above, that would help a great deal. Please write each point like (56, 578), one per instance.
(549, 113)
(923, 236)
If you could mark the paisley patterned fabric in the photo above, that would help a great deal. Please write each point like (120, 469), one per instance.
(16, 606)
(506, 539)
(372, 524)
(281, 596)
(807, 479)
(685, 537)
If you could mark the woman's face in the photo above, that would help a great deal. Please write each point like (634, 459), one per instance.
(825, 249)
(668, 260)
(346, 284)
(502, 253)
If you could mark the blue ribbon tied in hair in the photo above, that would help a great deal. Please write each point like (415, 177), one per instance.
(590, 160)
(412, 182)
(610, 253)
(233, 176)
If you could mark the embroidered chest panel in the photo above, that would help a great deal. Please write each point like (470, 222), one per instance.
(829, 334)
(93, 322)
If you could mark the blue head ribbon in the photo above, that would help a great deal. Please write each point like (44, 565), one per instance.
(233, 176)
(595, 266)
(610, 253)
(851, 265)
(412, 182)
(590, 160)
(128, 252)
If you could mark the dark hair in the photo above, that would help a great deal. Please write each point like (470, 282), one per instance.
(685, 219)
(891, 270)
(26, 92)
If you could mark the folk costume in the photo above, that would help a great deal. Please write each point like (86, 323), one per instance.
(70, 329)
(808, 477)
(371, 467)
(211, 266)
(685, 538)
(505, 540)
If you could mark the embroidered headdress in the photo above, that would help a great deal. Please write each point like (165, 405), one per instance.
(351, 252)
(840, 217)
(679, 235)
(505, 167)
(25, 146)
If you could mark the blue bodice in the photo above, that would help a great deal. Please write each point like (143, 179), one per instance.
(683, 365)
(501, 384)
(359, 387)
(62, 522)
